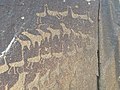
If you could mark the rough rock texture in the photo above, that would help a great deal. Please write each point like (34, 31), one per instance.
(59, 45)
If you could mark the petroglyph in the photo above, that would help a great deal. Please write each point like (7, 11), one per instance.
(84, 17)
(45, 78)
(54, 32)
(19, 85)
(4, 67)
(42, 14)
(65, 29)
(24, 43)
(44, 34)
(54, 50)
(33, 60)
(33, 38)
(58, 55)
(52, 13)
(34, 83)
(16, 65)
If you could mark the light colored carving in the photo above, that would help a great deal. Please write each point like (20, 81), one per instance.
(33, 38)
(52, 13)
(33, 60)
(44, 34)
(16, 65)
(65, 29)
(56, 72)
(6, 87)
(54, 32)
(34, 83)
(46, 56)
(24, 43)
(84, 17)
(42, 14)
(58, 55)
(64, 13)
(3, 68)
(19, 85)
(45, 78)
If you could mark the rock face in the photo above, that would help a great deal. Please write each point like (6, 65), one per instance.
(59, 45)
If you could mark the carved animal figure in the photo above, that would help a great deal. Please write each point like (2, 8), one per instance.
(19, 85)
(24, 41)
(44, 34)
(54, 32)
(34, 83)
(84, 17)
(52, 13)
(3, 68)
(64, 13)
(16, 65)
(42, 14)
(65, 29)
(33, 60)
(33, 38)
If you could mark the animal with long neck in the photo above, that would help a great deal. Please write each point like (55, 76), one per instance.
(42, 14)
(65, 29)
(33, 60)
(44, 34)
(33, 38)
(24, 43)
(52, 13)
(16, 65)
(84, 17)
(54, 32)
(19, 85)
